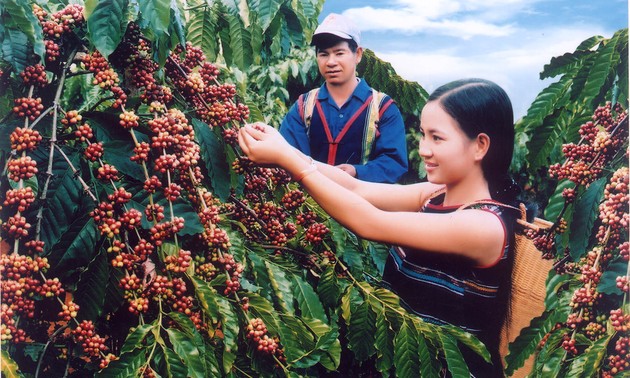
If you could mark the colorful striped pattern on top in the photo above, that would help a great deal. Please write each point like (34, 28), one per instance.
(445, 289)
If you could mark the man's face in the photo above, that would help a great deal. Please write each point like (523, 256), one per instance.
(338, 63)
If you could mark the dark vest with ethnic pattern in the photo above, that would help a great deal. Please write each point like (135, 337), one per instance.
(354, 143)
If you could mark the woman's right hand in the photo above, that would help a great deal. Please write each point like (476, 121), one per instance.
(263, 144)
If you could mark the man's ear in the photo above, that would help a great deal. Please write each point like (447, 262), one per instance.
(359, 54)
(482, 145)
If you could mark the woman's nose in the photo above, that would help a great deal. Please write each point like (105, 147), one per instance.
(423, 150)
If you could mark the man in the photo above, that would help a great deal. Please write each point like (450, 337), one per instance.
(346, 123)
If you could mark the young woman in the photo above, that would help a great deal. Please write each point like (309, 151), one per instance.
(449, 266)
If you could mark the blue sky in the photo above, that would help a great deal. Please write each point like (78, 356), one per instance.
(506, 41)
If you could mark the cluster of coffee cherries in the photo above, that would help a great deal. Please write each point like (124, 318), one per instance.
(613, 211)
(57, 27)
(28, 107)
(21, 282)
(618, 363)
(225, 262)
(34, 75)
(601, 140)
(196, 79)
(20, 168)
(105, 77)
(259, 336)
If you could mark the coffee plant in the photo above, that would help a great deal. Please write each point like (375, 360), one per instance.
(138, 241)
(578, 142)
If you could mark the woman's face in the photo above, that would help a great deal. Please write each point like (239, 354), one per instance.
(448, 154)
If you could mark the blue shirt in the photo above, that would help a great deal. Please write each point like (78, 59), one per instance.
(388, 159)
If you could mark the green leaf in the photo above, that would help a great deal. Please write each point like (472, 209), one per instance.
(384, 343)
(128, 365)
(608, 282)
(15, 49)
(62, 207)
(135, 339)
(213, 154)
(544, 140)
(183, 209)
(429, 364)
(528, 340)
(157, 13)
(75, 247)
(259, 272)
(545, 103)
(175, 366)
(361, 332)
(327, 342)
(206, 296)
(600, 70)
(201, 30)
(468, 340)
(586, 213)
(266, 12)
(552, 360)
(262, 308)
(298, 341)
(406, 358)
(454, 359)
(91, 288)
(351, 299)
(563, 64)
(230, 332)
(281, 285)
(379, 253)
(9, 368)
(113, 293)
(328, 287)
(589, 43)
(176, 26)
(595, 357)
(346, 246)
(19, 15)
(107, 25)
(118, 153)
(307, 299)
(556, 201)
(188, 352)
(240, 42)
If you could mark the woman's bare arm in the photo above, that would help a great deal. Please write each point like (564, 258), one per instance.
(476, 234)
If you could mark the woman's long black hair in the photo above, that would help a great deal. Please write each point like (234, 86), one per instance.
(481, 106)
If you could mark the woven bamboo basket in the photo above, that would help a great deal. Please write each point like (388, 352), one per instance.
(528, 290)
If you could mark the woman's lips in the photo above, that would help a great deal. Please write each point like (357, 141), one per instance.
(430, 166)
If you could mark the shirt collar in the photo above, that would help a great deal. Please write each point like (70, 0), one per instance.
(362, 91)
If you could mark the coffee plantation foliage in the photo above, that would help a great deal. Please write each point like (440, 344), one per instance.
(138, 241)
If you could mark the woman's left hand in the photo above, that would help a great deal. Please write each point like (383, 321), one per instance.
(263, 144)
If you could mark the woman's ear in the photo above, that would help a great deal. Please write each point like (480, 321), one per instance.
(482, 145)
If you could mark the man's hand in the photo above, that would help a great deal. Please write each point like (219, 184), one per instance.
(348, 168)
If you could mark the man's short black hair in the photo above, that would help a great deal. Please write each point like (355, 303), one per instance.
(325, 41)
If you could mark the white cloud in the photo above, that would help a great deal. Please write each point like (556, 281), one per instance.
(463, 18)
(515, 68)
